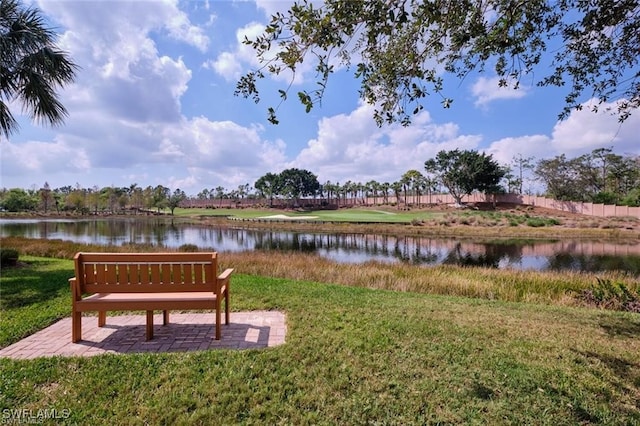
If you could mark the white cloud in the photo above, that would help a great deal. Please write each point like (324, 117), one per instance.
(191, 154)
(230, 64)
(271, 7)
(100, 18)
(227, 65)
(352, 147)
(122, 73)
(506, 149)
(584, 131)
(241, 57)
(42, 157)
(181, 29)
(187, 182)
(487, 90)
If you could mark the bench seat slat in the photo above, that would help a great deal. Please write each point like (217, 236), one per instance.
(147, 301)
(147, 288)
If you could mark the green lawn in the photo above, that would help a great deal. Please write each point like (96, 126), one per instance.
(342, 215)
(353, 356)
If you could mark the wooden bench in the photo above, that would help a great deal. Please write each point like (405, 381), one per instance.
(147, 282)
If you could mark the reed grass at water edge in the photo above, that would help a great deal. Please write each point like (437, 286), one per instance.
(562, 288)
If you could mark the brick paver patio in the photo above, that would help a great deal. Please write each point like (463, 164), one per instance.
(126, 334)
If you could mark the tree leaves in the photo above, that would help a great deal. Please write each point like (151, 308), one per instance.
(404, 44)
(463, 172)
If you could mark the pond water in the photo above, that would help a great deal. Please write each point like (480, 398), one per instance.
(542, 255)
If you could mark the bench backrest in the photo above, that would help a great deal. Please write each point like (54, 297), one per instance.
(145, 272)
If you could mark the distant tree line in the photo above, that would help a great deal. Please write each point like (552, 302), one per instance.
(599, 177)
(110, 200)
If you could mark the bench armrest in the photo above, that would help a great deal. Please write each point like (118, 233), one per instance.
(225, 275)
(75, 290)
(222, 283)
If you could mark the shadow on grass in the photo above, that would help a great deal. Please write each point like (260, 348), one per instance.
(626, 372)
(26, 284)
(621, 327)
(620, 367)
(481, 391)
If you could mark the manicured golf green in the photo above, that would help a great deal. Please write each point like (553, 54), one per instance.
(342, 215)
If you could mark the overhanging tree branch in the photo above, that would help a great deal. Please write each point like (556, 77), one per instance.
(403, 47)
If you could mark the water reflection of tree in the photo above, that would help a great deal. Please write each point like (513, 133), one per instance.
(300, 242)
(565, 261)
(512, 252)
(175, 231)
(410, 250)
(489, 255)
(421, 250)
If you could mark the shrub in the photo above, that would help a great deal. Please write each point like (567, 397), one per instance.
(8, 256)
(191, 248)
(538, 222)
(609, 295)
(535, 222)
(605, 198)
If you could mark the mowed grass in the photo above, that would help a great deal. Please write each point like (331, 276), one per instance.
(352, 356)
(469, 222)
(354, 215)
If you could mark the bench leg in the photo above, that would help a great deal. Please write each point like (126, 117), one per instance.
(102, 318)
(218, 318)
(165, 317)
(76, 327)
(226, 306)
(149, 325)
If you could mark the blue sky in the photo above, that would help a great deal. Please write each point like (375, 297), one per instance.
(153, 105)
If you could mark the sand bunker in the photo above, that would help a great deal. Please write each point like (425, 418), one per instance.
(282, 216)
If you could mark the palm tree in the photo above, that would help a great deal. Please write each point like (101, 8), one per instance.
(31, 67)
(412, 180)
(331, 189)
(347, 190)
(220, 194)
(431, 184)
(405, 182)
(372, 187)
(385, 187)
(397, 189)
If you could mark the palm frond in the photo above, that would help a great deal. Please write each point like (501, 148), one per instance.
(31, 66)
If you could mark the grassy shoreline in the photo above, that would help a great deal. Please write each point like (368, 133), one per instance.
(353, 356)
(560, 288)
(521, 222)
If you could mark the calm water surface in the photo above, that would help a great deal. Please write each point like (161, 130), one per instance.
(576, 255)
